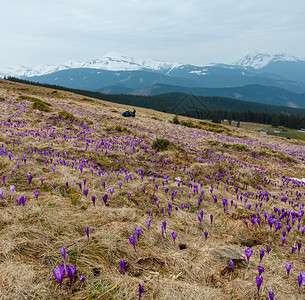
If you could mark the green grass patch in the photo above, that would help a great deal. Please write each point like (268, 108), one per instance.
(37, 103)
(88, 100)
(122, 129)
(176, 120)
(66, 116)
(161, 144)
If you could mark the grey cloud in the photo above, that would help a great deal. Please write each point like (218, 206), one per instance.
(186, 31)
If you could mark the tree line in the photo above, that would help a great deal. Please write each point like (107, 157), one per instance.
(283, 119)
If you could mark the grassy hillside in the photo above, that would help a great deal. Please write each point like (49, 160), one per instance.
(181, 102)
(60, 149)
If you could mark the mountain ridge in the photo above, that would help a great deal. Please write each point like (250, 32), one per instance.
(251, 93)
(118, 70)
(119, 62)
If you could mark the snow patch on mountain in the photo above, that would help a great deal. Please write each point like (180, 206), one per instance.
(199, 72)
(260, 60)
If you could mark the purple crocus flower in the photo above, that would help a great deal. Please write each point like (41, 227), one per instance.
(1, 195)
(246, 223)
(148, 212)
(215, 198)
(248, 253)
(123, 266)
(293, 249)
(260, 270)
(86, 193)
(111, 191)
(84, 180)
(299, 247)
(63, 252)
(141, 290)
(132, 240)
(41, 179)
(138, 232)
(105, 197)
(12, 188)
(232, 265)
(164, 225)
(129, 196)
(36, 193)
(93, 200)
(80, 186)
(300, 280)
(188, 207)
(271, 295)
(54, 186)
(82, 278)
(59, 274)
(148, 222)
(261, 255)
(67, 184)
(259, 281)
(21, 200)
(288, 268)
(211, 218)
(30, 177)
(174, 236)
(205, 234)
(162, 230)
(268, 249)
(303, 279)
(87, 232)
(71, 271)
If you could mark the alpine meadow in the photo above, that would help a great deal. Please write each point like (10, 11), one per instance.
(156, 206)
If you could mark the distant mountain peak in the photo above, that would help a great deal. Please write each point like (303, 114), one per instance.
(258, 60)
(111, 61)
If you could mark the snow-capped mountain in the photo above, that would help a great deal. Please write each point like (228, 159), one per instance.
(23, 71)
(115, 69)
(111, 61)
(260, 60)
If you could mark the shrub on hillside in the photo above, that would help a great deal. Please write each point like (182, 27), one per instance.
(161, 144)
(42, 106)
(66, 116)
(37, 103)
(176, 120)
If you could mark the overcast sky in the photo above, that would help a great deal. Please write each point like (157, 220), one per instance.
(187, 31)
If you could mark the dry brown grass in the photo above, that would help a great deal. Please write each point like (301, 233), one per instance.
(31, 236)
